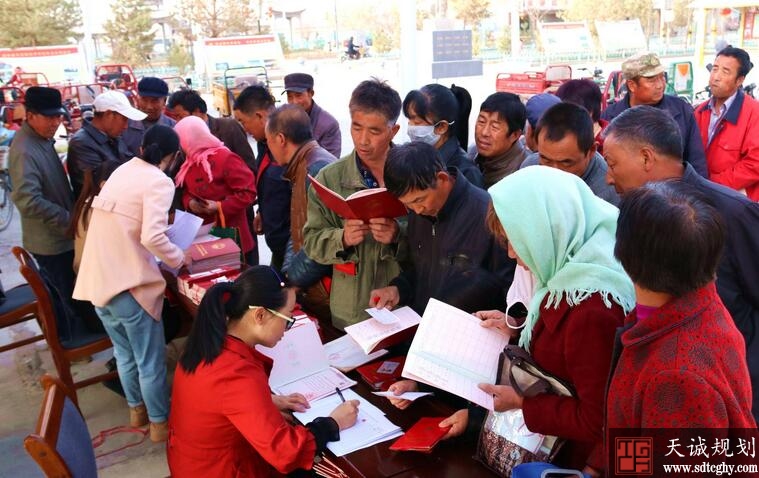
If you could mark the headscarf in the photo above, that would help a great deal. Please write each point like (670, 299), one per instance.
(198, 144)
(565, 235)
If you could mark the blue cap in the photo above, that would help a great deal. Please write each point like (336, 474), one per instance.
(152, 86)
(537, 105)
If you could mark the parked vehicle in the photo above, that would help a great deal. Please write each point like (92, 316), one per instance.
(531, 83)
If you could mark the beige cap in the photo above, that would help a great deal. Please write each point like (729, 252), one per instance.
(645, 64)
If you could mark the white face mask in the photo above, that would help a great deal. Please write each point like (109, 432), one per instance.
(424, 133)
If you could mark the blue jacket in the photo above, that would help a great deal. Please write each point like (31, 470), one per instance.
(132, 137)
(682, 112)
(273, 200)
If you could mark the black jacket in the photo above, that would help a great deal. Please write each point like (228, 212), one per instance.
(88, 148)
(453, 156)
(443, 247)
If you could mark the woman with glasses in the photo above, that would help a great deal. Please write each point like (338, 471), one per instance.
(224, 420)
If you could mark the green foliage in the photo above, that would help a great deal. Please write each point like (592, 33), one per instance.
(129, 32)
(382, 22)
(39, 22)
(609, 10)
(220, 18)
(180, 57)
(504, 41)
(471, 12)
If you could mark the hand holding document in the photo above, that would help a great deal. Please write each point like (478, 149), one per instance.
(410, 396)
(345, 354)
(453, 352)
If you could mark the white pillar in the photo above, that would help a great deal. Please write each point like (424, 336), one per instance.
(408, 46)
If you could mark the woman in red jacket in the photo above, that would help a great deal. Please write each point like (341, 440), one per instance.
(216, 181)
(553, 225)
(224, 420)
(683, 361)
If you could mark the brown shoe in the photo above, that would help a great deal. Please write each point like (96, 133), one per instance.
(138, 416)
(159, 431)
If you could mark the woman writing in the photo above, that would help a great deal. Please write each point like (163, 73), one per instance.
(439, 116)
(216, 181)
(554, 226)
(224, 420)
(120, 276)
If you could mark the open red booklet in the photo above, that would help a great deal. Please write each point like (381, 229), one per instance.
(364, 205)
(422, 436)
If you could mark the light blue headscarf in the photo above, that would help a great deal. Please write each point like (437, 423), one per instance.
(565, 235)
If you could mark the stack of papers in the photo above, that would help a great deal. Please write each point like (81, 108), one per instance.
(301, 365)
(345, 354)
(372, 426)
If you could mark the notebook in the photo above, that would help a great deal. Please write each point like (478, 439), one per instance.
(345, 355)
(422, 436)
(373, 334)
(453, 352)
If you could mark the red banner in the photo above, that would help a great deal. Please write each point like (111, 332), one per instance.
(30, 52)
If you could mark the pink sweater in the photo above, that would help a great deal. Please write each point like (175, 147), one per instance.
(127, 232)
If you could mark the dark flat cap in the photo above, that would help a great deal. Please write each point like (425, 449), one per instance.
(43, 100)
(152, 86)
(299, 82)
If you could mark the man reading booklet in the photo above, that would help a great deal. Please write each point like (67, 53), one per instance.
(364, 254)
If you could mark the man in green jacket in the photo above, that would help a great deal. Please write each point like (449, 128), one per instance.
(364, 256)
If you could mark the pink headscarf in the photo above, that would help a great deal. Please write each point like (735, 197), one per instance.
(198, 144)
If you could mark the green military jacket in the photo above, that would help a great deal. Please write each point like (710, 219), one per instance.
(376, 264)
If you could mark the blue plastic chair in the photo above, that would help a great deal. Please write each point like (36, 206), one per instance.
(543, 470)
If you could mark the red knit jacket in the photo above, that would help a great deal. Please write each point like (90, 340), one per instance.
(684, 366)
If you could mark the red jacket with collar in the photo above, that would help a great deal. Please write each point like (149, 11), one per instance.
(575, 344)
(733, 154)
(233, 185)
(223, 422)
(684, 366)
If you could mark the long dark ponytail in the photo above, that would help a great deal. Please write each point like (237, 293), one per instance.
(259, 285)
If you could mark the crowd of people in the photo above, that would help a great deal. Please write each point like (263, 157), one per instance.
(629, 233)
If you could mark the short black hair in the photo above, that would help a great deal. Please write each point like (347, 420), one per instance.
(648, 126)
(509, 108)
(376, 96)
(189, 100)
(584, 92)
(669, 238)
(562, 119)
(741, 55)
(411, 167)
(292, 121)
(254, 98)
(159, 141)
(435, 102)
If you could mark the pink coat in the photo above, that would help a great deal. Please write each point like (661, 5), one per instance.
(127, 232)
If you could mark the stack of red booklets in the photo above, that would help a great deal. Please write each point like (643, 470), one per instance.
(214, 254)
(382, 373)
(195, 286)
(422, 436)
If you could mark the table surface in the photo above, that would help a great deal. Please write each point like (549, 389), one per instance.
(450, 458)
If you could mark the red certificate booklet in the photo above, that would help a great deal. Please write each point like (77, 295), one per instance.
(366, 204)
(422, 436)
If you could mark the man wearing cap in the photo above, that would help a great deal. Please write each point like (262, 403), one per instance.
(644, 78)
(99, 140)
(300, 91)
(151, 100)
(729, 125)
(185, 103)
(535, 108)
(41, 190)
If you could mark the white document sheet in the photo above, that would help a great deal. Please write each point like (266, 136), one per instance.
(405, 396)
(453, 352)
(371, 425)
(345, 354)
(301, 366)
(183, 230)
(370, 332)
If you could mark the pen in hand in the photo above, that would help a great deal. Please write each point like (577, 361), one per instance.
(340, 394)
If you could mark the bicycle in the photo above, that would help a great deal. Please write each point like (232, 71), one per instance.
(6, 205)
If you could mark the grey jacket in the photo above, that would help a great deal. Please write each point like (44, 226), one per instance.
(41, 192)
(326, 130)
(136, 130)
